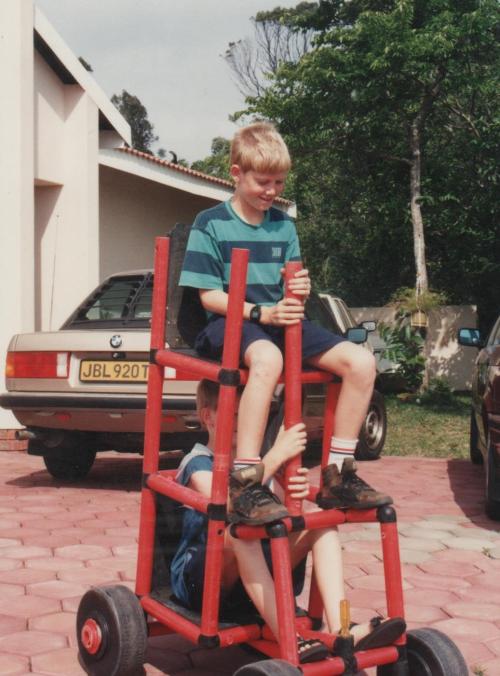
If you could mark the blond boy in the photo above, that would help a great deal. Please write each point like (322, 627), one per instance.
(259, 165)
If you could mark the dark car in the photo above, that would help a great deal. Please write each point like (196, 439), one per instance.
(485, 410)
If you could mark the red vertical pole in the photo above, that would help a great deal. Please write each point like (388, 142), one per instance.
(332, 394)
(224, 442)
(283, 590)
(392, 567)
(293, 385)
(153, 419)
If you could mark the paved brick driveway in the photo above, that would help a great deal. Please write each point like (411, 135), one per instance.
(56, 541)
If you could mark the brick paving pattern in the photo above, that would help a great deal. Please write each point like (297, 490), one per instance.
(56, 541)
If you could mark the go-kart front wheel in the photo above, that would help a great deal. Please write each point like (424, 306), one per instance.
(111, 632)
(429, 653)
(268, 668)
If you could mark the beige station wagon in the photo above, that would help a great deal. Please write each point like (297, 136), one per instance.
(82, 389)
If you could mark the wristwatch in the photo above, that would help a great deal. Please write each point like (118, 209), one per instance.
(255, 313)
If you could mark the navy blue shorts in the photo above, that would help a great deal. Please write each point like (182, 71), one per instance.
(315, 338)
(237, 598)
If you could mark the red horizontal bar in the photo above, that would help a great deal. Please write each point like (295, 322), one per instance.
(166, 485)
(319, 519)
(241, 634)
(361, 515)
(365, 659)
(227, 637)
(376, 657)
(177, 360)
(202, 368)
(156, 628)
(170, 618)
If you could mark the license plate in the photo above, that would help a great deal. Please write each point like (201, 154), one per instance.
(113, 371)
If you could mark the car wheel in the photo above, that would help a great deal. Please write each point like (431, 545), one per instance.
(475, 454)
(69, 464)
(492, 506)
(372, 434)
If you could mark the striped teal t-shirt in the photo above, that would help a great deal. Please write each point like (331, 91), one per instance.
(217, 230)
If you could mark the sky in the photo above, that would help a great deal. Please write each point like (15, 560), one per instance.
(168, 53)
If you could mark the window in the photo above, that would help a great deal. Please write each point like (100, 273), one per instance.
(120, 301)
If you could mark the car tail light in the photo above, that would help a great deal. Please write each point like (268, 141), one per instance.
(37, 365)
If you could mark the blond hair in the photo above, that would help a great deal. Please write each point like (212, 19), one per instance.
(260, 147)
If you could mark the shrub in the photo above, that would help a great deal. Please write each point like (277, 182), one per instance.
(404, 346)
(438, 393)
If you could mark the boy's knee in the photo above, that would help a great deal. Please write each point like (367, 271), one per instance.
(266, 363)
(362, 365)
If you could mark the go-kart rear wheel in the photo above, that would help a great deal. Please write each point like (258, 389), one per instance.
(268, 668)
(429, 653)
(111, 632)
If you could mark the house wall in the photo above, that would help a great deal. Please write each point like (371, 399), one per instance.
(66, 196)
(49, 121)
(133, 211)
(445, 357)
(16, 177)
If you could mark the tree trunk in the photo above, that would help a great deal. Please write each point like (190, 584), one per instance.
(422, 283)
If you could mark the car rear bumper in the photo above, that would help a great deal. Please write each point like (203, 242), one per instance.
(98, 413)
(15, 400)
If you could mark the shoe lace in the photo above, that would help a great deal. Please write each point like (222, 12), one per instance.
(253, 496)
(357, 482)
(262, 495)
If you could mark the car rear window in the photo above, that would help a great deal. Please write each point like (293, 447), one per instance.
(126, 301)
(318, 312)
(120, 301)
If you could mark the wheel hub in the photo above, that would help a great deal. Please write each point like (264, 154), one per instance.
(91, 636)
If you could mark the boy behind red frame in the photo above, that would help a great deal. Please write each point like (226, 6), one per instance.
(249, 560)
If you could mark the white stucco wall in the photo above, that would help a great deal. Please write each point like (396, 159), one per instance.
(133, 211)
(444, 356)
(49, 180)
(16, 176)
(66, 196)
(49, 120)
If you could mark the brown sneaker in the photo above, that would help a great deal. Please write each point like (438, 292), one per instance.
(250, 502)
(345, 490)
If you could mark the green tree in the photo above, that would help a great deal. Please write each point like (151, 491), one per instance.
(135, 113)
(217, 163)
(389, 117)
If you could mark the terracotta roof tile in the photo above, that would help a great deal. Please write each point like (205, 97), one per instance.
(186, 170)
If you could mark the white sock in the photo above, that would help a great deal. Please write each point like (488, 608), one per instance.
(340, 449)
(240, 463)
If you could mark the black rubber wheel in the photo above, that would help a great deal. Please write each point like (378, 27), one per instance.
(69, 464)
(111, 632)
(268, 668)
(430, 653)
(372, 434)
(475, 454)
(492, 505)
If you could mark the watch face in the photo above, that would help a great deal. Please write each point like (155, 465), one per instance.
(255, 313)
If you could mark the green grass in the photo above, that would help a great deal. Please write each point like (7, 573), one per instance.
(428, 429)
